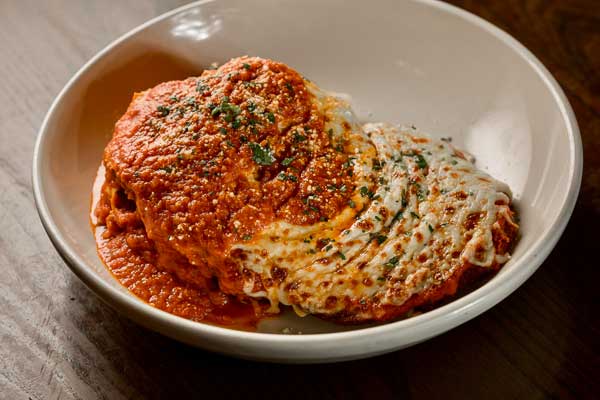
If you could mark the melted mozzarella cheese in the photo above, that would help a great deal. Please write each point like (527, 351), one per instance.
(420, 210)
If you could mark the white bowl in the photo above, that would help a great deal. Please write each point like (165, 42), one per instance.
(416, 62)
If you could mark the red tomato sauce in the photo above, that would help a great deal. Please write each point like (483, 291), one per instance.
(132, 259)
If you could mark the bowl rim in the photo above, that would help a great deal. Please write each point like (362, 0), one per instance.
(438, 320)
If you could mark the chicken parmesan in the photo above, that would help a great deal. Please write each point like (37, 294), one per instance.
(227, 196)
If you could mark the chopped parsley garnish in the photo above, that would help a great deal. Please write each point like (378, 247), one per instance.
(261, 155)
(167, 169)
(223, 130)
(285, 177)
(247, 237)
(287, 161)
(421, 163)
(270, 116)
(365, 192)
(342, 256)
(290, 88)
(243, 139)
(397, 216)
(392, 262)
(164, 111)
(246, 66)
(414, 214)
(351, 204)
(378, 218)
(430, 228)
(298, 137)
(381, 238)
(454, 162)
(328, 247)
(381, 279)
(422, 193)
(229, 111)
(201, 87)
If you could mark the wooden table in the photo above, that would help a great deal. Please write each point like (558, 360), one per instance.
(59, 341)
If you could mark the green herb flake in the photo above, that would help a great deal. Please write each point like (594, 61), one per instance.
(201, 87)
(397, 216)
(270, 117)
(381, 238)
(414, 214)
(223, 130)
(404, 199)
(421, 163)
(228, 110)
(341, 255)
(246, 66)
(261, 155)
(290, 88)
(247, 237)
(351, 204)
(164, 111)
(287, 161)
(430, 228)
(392, 262)
(298, 137)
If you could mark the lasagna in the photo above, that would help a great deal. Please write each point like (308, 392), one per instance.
(227, 196)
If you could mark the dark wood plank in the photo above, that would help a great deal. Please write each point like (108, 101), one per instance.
(57, 340)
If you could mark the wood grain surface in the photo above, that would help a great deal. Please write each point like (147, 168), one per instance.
(57, 340)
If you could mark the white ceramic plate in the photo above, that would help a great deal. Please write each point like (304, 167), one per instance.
(416, 62)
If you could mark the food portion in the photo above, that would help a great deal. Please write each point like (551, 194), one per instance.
(249, 188)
